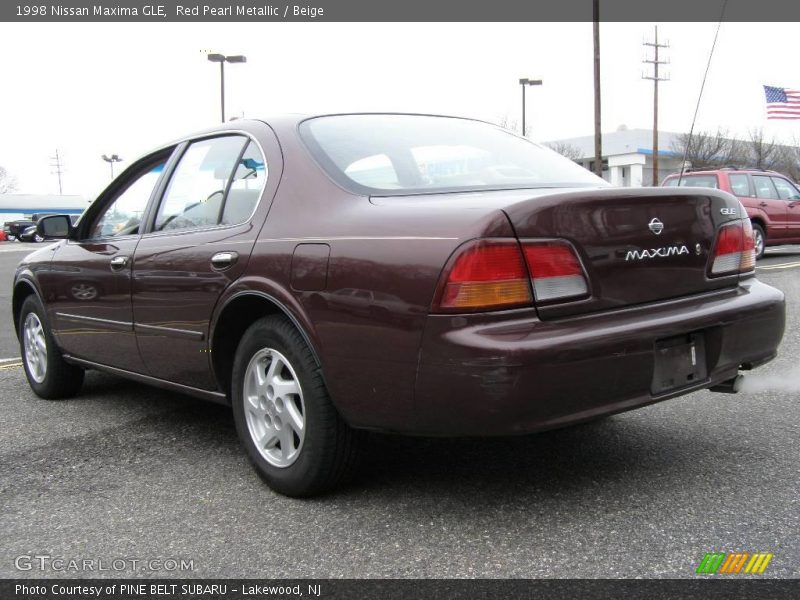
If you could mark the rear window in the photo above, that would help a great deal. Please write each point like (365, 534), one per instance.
(409, 154)
(708, 181)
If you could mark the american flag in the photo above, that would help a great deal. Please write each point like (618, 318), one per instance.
(782, 103)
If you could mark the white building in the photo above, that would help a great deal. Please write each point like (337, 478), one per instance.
(628, 155)
(18, 206)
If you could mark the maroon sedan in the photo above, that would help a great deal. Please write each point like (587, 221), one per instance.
(402, 273)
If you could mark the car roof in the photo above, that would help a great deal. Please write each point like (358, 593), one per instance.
(281, 122)
(728, 170)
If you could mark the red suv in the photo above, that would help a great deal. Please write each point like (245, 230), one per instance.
(772, 200)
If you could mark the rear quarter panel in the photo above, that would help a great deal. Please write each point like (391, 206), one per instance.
(368, 351)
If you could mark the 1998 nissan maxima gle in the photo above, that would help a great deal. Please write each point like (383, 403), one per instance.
(403, 273)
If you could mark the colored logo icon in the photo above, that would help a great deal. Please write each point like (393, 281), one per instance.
(734, 563)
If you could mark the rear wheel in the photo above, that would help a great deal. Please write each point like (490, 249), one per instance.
(760, 240)
(49, 376)
(291, 431)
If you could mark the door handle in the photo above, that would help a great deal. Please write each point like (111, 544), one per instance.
(223, 260)
(118, 263)
(763, 204)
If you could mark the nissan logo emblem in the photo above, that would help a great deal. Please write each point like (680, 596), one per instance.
(656, 226)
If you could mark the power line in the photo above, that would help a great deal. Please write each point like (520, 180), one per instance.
(58, 167)
(655, 78)
(598, 137)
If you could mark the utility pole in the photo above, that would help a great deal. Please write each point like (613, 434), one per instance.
(598, 141)
(655, 78)
(58, 167)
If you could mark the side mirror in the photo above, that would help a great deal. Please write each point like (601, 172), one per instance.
(54, 227)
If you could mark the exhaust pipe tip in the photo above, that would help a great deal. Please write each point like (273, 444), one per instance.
(731, 386)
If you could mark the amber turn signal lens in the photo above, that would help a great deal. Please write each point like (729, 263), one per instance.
(486, 294)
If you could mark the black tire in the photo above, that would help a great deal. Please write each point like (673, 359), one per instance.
(61, 380)
(329, 452)
(759, 231)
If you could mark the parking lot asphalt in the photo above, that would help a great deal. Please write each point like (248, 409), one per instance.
(129, 472)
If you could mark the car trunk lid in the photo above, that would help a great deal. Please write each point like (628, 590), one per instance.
(636, 245)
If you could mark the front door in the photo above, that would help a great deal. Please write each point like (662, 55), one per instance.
(89, 283)
(790, 196)
(197, 242)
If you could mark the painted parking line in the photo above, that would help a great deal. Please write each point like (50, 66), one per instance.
(14, 247)
(7, 360)
(8, 366)
(792, 265)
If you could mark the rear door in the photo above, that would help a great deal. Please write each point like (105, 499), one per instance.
(770, 203)
(197, 242)
(88, 288)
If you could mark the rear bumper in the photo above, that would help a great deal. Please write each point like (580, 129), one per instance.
(481, 377)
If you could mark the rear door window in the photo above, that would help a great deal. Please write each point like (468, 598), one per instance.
(218, 181)
(248, 182)
(764, 187)
(197, 188)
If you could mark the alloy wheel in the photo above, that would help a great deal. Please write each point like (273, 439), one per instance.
(759, 241)
(274, 408)
(35, 347)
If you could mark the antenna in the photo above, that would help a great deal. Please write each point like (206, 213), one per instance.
(655, 78)
(700, 95)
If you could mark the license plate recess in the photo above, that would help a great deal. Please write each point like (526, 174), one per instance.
(680, 361)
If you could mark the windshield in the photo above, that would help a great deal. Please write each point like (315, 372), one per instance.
(408, 154)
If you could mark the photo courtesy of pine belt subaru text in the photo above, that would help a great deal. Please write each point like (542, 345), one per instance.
(411, 274)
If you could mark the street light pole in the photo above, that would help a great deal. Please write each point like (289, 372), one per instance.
(222, 89)
(111, 160)
(222, 59)
(525, 82)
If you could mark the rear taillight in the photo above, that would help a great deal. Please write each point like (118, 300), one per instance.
(749, 251)
(499, 274)
(734, 251)
(555, 270)
(487, 275)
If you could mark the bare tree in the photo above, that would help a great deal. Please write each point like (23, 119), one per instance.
(566, 149)
(706, 149)
(8, 183)
(792, 154)
(787, 159)
(763, 152)
(511, 124)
